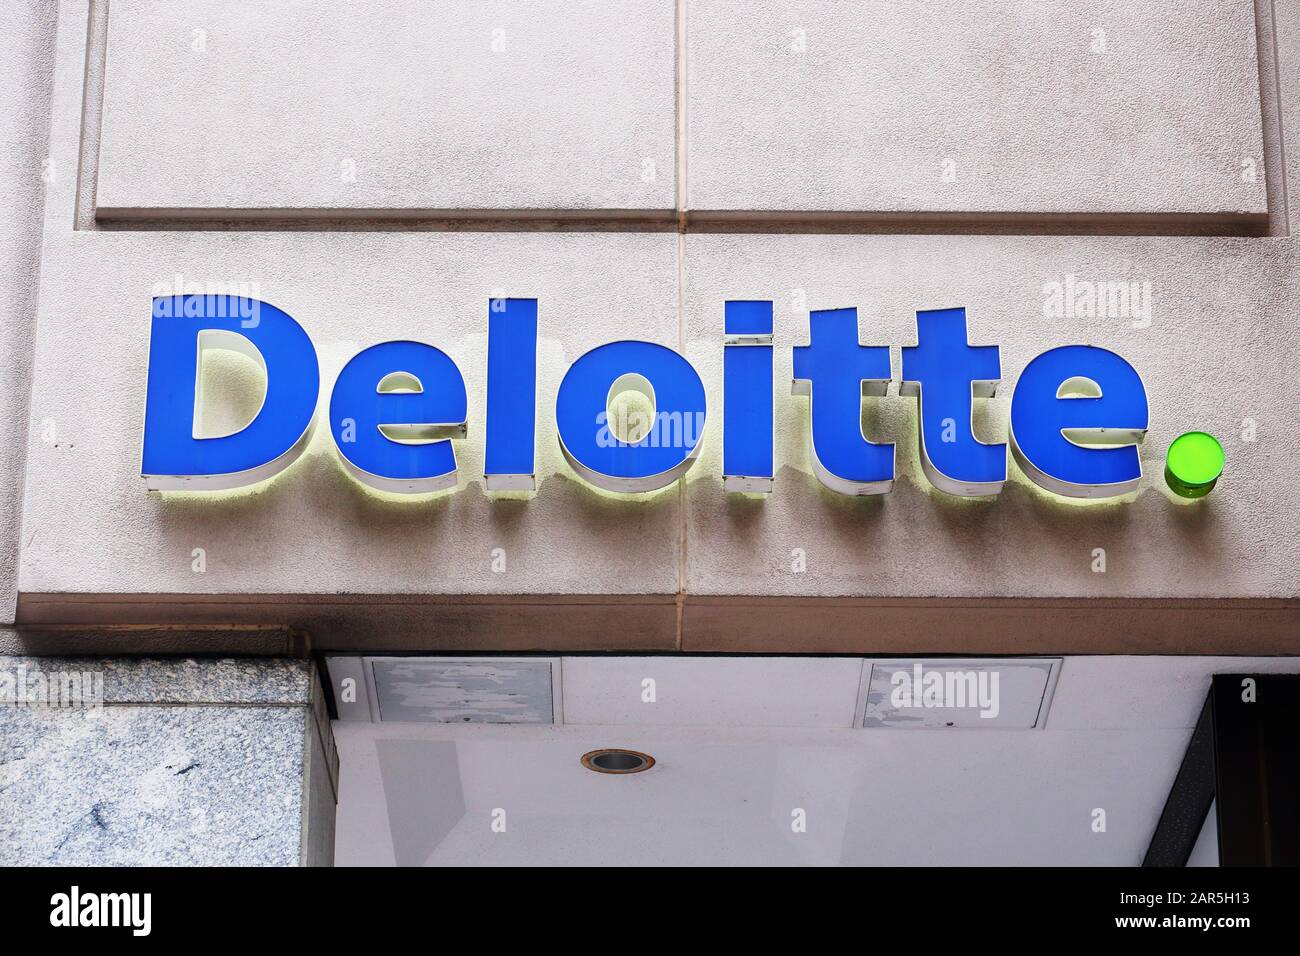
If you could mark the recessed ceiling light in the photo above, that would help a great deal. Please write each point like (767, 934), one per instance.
(614, 760)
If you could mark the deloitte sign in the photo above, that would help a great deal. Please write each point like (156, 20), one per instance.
(396, 409)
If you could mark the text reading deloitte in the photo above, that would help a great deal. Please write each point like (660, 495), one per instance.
(1077, 413)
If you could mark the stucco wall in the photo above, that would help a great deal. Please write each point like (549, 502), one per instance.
(1052, 106)
(1219, 321)
(393, 104)
(26, 49)
(829, 140)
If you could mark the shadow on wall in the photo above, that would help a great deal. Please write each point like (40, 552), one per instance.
(423, 793)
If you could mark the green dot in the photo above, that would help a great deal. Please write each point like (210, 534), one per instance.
(1193, 464)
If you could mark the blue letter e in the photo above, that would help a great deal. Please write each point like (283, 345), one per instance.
(184, 327)
(394, 410)
(1077, 415)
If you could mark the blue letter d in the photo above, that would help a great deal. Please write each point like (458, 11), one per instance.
(184, 326)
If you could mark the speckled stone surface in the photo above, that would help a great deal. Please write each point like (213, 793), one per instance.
(187, 680)
(151, 786)
(244, 641)
(188, 762)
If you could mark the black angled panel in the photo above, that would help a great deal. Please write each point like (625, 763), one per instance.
(1257, 768)
(1189, 799)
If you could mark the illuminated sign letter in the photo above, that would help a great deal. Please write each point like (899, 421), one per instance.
(511, 395)
(747, 412)
(183, 329)
(946, 374)
(836, 372)
(1077, 415)
(393, 412)
(588, 439)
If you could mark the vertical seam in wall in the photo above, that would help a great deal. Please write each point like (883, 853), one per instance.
(681, 156)
(92, 111)
(1281, 129)
(1267, 61)
(681, 194)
